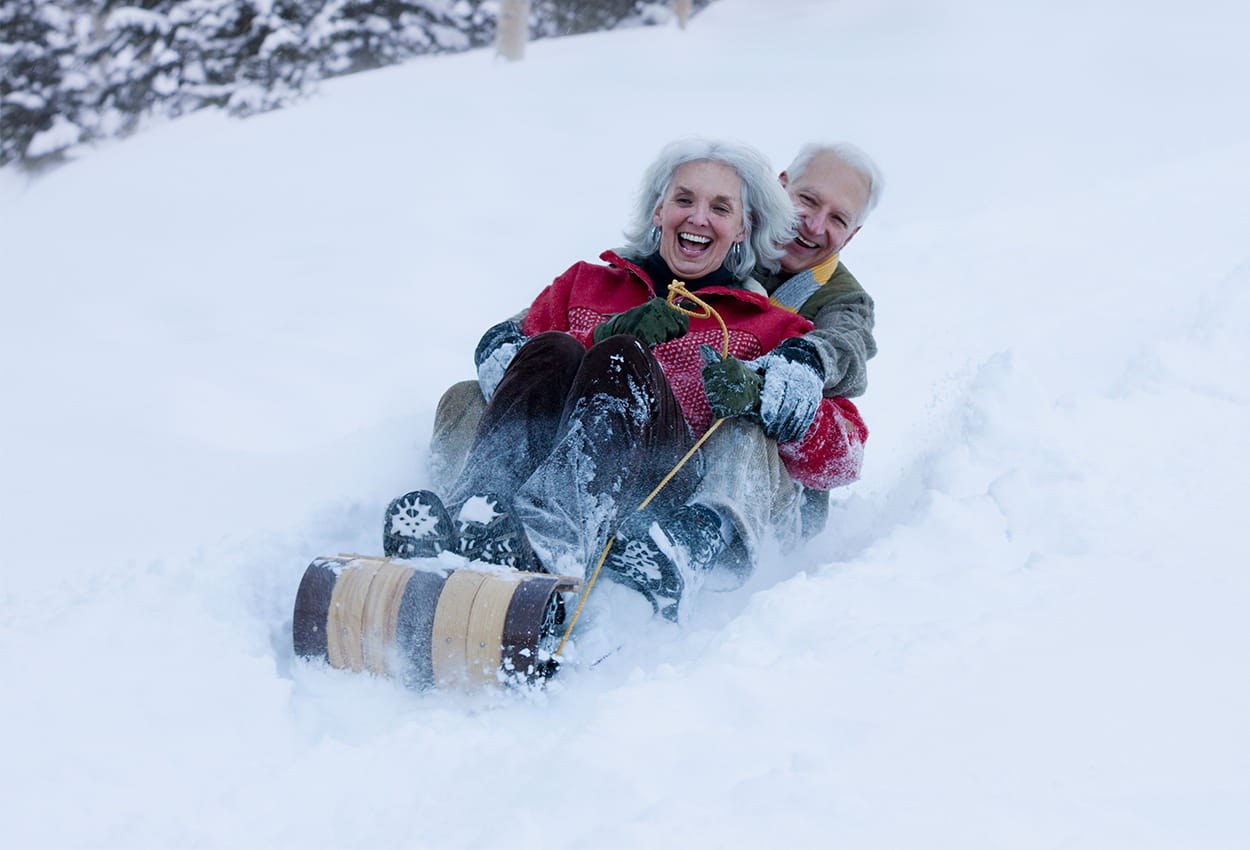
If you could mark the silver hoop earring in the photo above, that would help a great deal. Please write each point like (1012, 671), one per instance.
(735, 254)
(655, 235)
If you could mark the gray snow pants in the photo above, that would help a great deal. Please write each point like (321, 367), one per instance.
(743, 478)
(575, 439)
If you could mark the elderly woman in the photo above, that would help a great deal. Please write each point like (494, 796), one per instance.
(606, 387)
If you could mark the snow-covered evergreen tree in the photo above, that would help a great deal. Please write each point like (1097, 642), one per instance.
(278, 60)
(552, 18)
(41, 85)
(364, 34)
(133, 67)
(210, 40)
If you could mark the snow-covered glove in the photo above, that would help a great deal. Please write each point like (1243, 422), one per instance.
(651, 323)
(794, 382)
(494, 352)
(733, 387)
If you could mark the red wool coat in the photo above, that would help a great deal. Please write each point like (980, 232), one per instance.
(581, 299)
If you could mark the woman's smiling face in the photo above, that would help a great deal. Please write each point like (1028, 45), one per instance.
(700, 218)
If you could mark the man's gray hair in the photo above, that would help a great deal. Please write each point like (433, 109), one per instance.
(768, 215)
(856, 159)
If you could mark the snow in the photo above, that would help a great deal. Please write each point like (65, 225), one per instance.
(223, 342)
(477, 509)
(61, 134)
(137, 18)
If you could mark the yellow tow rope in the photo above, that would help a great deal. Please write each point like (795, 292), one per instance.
(676, 290)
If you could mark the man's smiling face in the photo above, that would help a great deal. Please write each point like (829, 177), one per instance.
(829, 197)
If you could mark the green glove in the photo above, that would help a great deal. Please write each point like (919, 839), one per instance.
(733, 388)
(650, 323)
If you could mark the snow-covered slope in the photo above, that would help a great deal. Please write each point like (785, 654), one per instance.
(223, 342)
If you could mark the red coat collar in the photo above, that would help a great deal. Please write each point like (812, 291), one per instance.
(754, 299)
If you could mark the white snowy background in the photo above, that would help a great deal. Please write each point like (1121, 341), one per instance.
(1025, 627)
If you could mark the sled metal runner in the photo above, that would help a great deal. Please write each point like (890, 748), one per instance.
(429, 626)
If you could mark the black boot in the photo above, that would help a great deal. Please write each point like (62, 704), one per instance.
(488, 531)
(417, 525)
(666, 558)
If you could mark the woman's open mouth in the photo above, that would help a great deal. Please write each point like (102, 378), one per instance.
(692, 243)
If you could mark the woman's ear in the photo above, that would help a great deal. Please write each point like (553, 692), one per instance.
(655, 217)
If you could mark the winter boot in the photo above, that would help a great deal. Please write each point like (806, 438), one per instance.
(417, 525)
(487, 530)
(666, 559)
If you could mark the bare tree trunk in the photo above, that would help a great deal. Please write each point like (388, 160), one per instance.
(682, 8)
(513, 29)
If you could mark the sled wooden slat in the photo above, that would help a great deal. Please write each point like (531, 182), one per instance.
(451, 620)
(347, 607)
(484, 632)
(381, 613)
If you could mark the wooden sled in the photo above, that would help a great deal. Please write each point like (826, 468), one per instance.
(427, 626)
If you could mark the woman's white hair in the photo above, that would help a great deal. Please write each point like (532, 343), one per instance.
(767, 212)
(856, 159)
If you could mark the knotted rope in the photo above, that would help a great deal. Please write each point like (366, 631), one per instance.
(676, 290)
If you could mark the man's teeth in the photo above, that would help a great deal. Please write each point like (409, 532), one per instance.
(804, 242)
(692, 237)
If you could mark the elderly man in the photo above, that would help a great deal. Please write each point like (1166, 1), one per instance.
(834, 188)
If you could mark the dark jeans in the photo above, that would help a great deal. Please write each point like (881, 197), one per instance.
(576, 439)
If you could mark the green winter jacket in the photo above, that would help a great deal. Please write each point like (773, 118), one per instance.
(843, 315)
